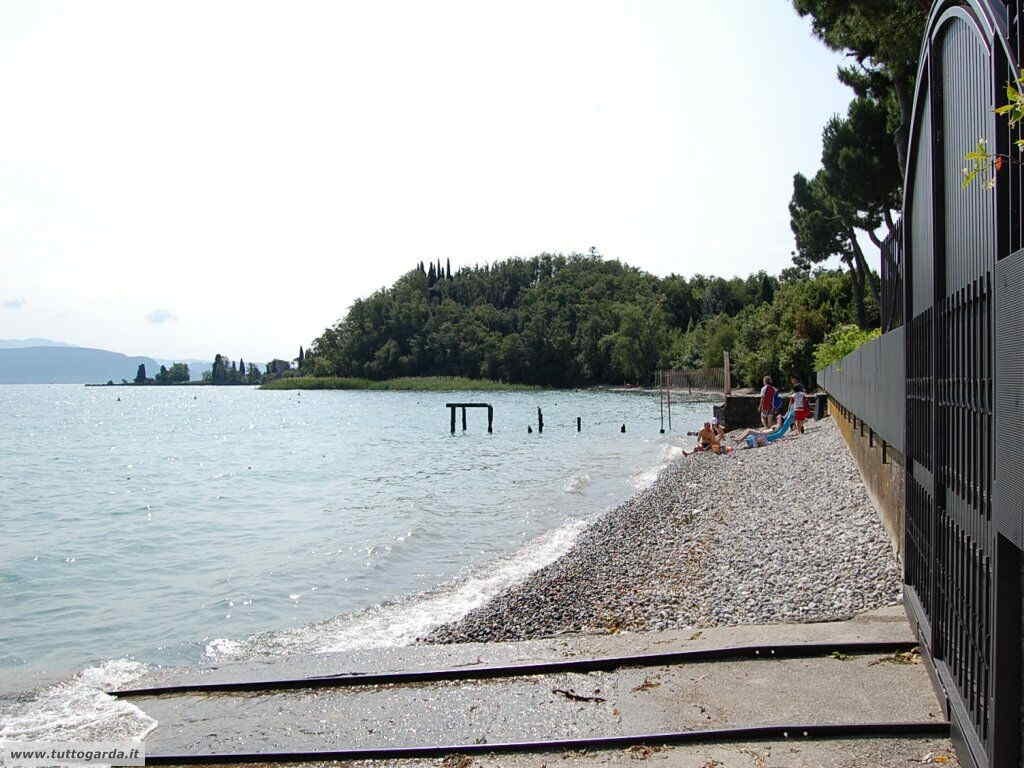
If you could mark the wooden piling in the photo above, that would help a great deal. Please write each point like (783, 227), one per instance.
(540, 421)
(579, 424)
(452, 406)
(661, 406)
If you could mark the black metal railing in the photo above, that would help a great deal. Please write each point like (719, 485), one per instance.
(892, 279)
(952, 288)
(870, 383)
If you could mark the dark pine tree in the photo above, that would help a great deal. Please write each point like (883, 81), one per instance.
(448, 268)
(140, 375)
(431, 275)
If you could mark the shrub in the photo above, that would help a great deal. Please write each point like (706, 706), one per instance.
(840, 342)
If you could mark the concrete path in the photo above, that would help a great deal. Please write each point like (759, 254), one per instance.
(628, 701)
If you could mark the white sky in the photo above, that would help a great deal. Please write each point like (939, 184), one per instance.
(184, 178)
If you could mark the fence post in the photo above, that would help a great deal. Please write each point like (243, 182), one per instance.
(728, 374)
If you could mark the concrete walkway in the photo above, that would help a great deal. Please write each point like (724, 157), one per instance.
(863, 688)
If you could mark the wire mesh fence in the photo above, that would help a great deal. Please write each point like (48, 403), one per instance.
(697, 380)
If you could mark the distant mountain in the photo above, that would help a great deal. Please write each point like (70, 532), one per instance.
(69, 365)
(19, 343)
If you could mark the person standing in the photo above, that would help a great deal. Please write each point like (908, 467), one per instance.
(800, 409)
(767, 402)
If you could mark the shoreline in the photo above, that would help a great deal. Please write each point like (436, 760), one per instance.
(767, 535)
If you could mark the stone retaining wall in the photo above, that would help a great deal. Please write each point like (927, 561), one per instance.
(744, 411)
(884, 476)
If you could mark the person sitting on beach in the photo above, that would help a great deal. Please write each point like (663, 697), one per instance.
(758, 438)
(709, 439)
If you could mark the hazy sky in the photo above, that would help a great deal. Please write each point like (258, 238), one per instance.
(184, 178)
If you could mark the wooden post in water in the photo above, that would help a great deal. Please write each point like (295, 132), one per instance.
(540, 421)
(669, 393)
(490, 414)
(579, 424)
(661, 403)
(728, 373)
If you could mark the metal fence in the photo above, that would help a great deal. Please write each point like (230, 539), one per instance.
(701, 380)
(892, 279)
(945, 384)
(870, 383)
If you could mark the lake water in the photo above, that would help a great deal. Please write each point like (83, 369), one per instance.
(188, 524)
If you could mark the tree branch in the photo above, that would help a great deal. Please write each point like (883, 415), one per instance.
(887, 214)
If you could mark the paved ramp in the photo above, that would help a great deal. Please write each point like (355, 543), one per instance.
(624, 702)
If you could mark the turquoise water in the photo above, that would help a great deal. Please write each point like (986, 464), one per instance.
(177, 525)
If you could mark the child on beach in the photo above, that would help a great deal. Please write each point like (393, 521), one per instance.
(767, 402)
(800, 406)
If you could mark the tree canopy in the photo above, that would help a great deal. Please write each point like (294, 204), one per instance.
(579, 320)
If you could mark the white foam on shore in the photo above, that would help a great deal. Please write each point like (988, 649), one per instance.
(645, 478)
(401, 623)
(79, 710)
(577, 483)
(404, 621)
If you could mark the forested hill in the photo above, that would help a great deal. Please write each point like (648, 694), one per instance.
(578, 320)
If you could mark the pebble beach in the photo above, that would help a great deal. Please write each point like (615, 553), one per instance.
(784, 533)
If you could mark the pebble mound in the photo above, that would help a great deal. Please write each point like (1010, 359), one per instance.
(784, 533)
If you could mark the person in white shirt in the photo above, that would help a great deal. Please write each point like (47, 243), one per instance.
(799, 406)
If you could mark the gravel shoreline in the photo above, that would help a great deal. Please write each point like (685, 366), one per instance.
(781, 533)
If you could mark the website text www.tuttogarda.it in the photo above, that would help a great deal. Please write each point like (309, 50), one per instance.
(37, 754)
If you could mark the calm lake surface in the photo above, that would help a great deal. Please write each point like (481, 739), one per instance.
(180, 525)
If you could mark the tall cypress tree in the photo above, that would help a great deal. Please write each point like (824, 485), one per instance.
(431, 275)
(448, 268)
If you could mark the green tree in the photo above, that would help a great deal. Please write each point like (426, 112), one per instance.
(883, 39)
(218, 374)
(140, 374)
(823, 226)
(861, 165)
(840, 342)
(179, 374)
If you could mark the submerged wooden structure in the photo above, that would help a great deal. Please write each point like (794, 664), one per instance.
(464, 406)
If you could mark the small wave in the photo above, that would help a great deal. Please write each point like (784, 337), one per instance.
(402, 622)
(645, 478)
(79, 710)
(577, 483)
